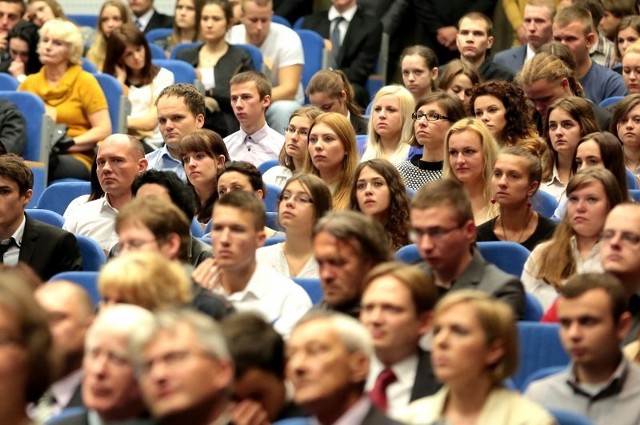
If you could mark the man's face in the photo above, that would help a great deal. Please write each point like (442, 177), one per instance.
(140, 7)
(542, 93)
(175, 120)
(393, 322)
(576, 39)
(261, 387)
(247, 105)
(134, 236)
(109, 385)
(320, 367)
(257, 21)
(538, 25)
(234, 237)
(179, 375)
(443, 242)
(117, 166)
(609, 23)
(342, 265)
(12, 204)
(473, 40)
(10, 14)
(588, 331)
(620, 243)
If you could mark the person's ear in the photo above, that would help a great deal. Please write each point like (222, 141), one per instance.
(358, 366)
(490, 40)
(425, 320)
(220, 160)
(266, 101)
(27, 197)
(533, 187)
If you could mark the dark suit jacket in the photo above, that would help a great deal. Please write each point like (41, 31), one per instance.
(48, 249)
(82, 418)
(159, 20)
(361, 46)
(426, 383)
(375, 417)
(512, 58)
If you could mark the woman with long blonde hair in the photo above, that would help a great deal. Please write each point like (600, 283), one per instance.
(113, 14)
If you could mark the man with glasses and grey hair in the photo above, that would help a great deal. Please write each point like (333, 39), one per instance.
(444, 232)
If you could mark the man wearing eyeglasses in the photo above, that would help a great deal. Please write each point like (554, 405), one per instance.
(620, 256)
(444, 233)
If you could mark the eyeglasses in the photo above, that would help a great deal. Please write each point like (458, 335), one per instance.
(430, 116)
(435, 233)
(630, 238)
(291, 130)
(299, 198)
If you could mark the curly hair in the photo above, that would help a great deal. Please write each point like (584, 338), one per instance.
(396, 223)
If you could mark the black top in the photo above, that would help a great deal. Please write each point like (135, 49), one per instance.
(544, 230)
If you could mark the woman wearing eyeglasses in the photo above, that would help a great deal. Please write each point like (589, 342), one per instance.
(305, 198)
(432, 118)
(294, 150)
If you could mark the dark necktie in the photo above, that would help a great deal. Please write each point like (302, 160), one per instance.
(378, 394)
(4, 247)
(335, 39)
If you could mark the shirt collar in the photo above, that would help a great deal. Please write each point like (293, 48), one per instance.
(144, 19)
(258, 135)
(64, 388)
(613, 386)
(347, 15)
(19, 233)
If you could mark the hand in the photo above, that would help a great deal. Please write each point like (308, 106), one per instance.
(207, 274)
(3, 41)
(16, 68)
(121, 74)
(447, 36)
(211, 104)
(249, 412)
(521, 33)
(63, 146)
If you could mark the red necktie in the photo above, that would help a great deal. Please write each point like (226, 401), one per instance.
(378, 394)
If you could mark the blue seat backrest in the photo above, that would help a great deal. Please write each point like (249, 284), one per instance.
(87, 279)
(158, 33)
(38, 129)
(8, 82)
(93, 257)
(255, 53)
(313, 54)
(116, 102)
(46, 216)
(59, 195)
(183, 72)
(157, 52)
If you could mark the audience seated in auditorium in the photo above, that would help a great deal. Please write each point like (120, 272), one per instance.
(419, 69)
(11, 12)
(22, 44)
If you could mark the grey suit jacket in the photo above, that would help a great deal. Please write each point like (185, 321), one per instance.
(512, 58)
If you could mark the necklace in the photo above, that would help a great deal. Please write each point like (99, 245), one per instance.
(526, 224)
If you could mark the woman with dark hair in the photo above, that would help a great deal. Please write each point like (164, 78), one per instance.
(432, 118)
(504, 109)
(459, 79)
(294, 151)
(419, 69)
(113, 14)
(186, 25)
(516, 178)
(568, 120)
(129, 60)
(627, 33)
(625, 122)
(304, 200)
(23, 48)
(378, 191)
(203, 152)
(330, 91)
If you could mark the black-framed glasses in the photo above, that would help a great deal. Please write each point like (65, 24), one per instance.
(430, 116)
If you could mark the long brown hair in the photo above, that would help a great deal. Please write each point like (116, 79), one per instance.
(129, 34)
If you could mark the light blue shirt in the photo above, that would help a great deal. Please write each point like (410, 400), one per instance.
(162, 160)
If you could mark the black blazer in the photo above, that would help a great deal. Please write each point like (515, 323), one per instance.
(49, 250)
(159, 20)
(425, 383)
(361, 46)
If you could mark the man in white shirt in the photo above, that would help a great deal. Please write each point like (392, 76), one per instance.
(120, 158)
(282, 54)
(237, 232)
(181, 111)
(255, 142)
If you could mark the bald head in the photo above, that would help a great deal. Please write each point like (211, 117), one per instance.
(119, 160)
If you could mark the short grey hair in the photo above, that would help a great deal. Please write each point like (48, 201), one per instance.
(208, 334)
(353, 335)
(119, 321)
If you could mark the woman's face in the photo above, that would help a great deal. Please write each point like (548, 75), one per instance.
(110, 20)
(629, 128)
(296, 208)
(416, 75)
(631, 72)
(134, 57)
(587, 209)
(462, 88)
(588, 155)
(213, 23)
(40, 12)
(19, 50)
(53, 49)
(491, 111)
(201, 169)
(296, 138)
(326, 149)
(185, 15)
(564, 132)
(372, 192)
(626, 38)
(430, 133)
(510, 181)
(327, 103)
(234, 180)
(13, 363)
(460, 353)
(465, 156)
(387, 118)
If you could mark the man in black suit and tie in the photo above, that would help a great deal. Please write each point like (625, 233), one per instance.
(355, 39)
(538, 21)
(328, 362)
(400, 370)
(47, 249)
(147, 18)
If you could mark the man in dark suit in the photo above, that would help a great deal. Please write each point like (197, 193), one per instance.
(444, 233)
(147, 18)
(328, 363)
(47, 249)
(400, 372)
(538, 20)
(355, 39)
